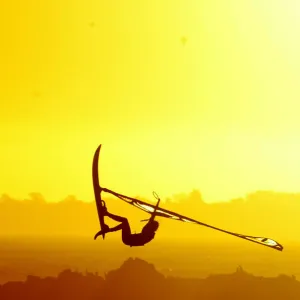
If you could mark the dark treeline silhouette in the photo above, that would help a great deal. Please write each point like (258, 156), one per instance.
(137, 279)
(256, 214)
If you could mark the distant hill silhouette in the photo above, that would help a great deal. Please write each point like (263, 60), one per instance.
(263, 213)
(136, 279)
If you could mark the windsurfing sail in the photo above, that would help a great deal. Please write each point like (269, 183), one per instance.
(161, 212)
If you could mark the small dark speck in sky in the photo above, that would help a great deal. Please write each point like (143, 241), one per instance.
(92, 24)
(36, 94)
(183, 40)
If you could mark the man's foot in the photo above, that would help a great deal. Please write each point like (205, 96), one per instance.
(106, 229)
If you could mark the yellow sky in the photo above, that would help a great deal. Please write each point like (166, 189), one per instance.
(219, 113)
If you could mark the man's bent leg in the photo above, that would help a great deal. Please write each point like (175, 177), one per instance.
(116, 218)
(116, 228)
(124, 226)
(106, 230)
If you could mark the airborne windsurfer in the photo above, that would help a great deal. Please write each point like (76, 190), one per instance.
(137, 239)
(148, 232)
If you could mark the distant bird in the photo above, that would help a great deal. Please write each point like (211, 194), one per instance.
(36, 94)
(183, 40)
(92, 24)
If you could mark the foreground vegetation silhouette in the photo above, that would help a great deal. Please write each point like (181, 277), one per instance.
(137, 279)
(76, 217)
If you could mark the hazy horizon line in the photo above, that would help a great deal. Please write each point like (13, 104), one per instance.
(72, 197)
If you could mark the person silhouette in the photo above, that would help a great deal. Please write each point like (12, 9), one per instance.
(130, 239)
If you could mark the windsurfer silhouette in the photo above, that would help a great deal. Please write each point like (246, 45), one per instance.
(133, 240)
(148, 232)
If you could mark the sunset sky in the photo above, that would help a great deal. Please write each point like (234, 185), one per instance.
(219, 113)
